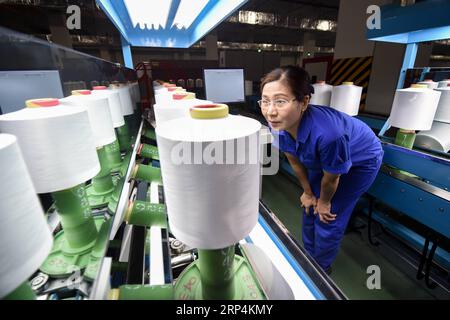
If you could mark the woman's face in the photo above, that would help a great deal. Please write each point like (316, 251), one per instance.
(279, 106)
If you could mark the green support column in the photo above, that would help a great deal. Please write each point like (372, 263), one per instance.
(149, 133)
(23, 292)
(113, 155)
(217, 273)
(125, 164)
(101, 188)
(114, 200)
(98, 251)
(144, 292)
(146, 214)
(147, 173)
(72, 245)
(405, 138)
(148, 151)
(123, 134)
(76, 218)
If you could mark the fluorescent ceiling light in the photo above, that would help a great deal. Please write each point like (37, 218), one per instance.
(187, 11)
(323, 25)
(150, 14)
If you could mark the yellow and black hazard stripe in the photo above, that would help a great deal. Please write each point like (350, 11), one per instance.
(356, 70)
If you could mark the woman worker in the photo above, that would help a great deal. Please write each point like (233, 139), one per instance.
(335, 157)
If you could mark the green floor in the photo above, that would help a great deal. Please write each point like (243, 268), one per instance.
(356, 254)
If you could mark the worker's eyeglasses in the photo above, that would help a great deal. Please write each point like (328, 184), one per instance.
(279, 103)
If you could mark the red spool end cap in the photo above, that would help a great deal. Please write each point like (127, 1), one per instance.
(47, 102)
(81, 92)
(205, 106)
(99, 88)
(179, 96)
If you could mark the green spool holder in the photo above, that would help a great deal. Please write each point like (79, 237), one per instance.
(124, 137)
(146, 214)
(113, 155)
(146, 173)
(405, 138)
(149, 152)
(22, 292)
(102, 186)
(98, 251)
(218, 275)
(143, 292)
(72, 246)
(149, 133)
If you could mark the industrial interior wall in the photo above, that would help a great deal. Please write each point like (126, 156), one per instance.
(255, 64)
(351, 40)
(387, 63)
(386, 66)
(387, 57)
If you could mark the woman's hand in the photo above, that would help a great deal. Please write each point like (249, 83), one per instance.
(308, 201)
(324, 211)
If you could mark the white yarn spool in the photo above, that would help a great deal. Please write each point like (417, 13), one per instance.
(429, 83)
(132, 92)
(114, 105)
(99, 116)
(443, 109)
(444, 83)
(137, 91)
(133, 98)
(163, 96)
(322, 94)
(414, 108)
(125, 99)
(160, 89)
(26, 238)
(346, 98)
(210, 206)
(57, 144)
(438, 138)
(169, 110)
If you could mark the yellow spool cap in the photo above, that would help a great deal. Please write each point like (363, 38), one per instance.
(347, 83)
(114, 294)
(190, 95)
(39, 103)
(128, 211)
(209, 111)
(416, 85)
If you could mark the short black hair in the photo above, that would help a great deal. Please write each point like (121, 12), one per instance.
(295, 77)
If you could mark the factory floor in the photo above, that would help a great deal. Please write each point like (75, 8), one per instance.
(281, 195)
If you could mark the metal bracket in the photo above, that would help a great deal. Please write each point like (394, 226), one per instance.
(426, 260)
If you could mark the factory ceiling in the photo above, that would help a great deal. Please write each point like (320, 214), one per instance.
(280, 21)
(275, 22)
